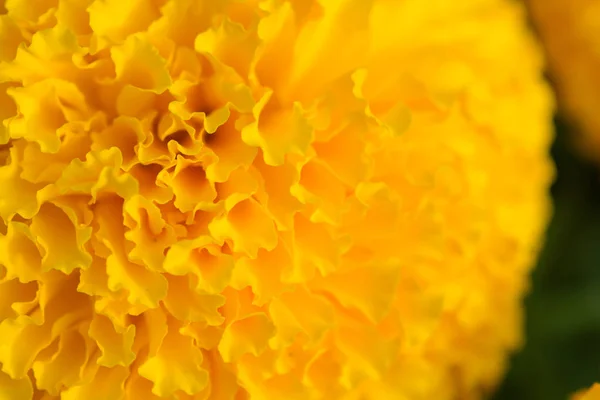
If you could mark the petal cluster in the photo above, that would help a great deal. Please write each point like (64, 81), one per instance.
(278, 199)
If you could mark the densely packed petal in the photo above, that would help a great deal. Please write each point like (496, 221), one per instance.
(274, 199)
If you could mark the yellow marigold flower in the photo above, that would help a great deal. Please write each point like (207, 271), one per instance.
(569, 30)
(279, 199)
(589, 394)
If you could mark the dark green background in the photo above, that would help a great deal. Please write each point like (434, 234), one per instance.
(562, 352)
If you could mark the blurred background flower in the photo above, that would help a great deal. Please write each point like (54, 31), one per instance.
(562, 354)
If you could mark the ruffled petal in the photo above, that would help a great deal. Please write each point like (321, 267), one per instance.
(145, 287)
(176, 366)
(10, 37)
(40, 121)
(57, 308)
(280, 202)
(264, 274)
(230, 150)
(278, 131)
(107, 383)
(63, 369)
(18, 195)
(364, 357)
(202, 258)
(192, 190)
(149, 232)
(248, 226)
(332, 46)
(19, 254)
(139, 64)
(300, 312)
(15, 388)
(231, 44)
(114, 344)
(62, 238)
(368, 289)
(100, 172)
(113, 22)
(188, 304)
(247, 335)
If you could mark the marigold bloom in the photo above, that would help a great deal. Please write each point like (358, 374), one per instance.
(570, 33)
(591, 394)
(281, 199)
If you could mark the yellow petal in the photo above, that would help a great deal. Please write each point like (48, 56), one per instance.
(333, 46)
(14, 294)
(231, 44)
(100, 172)
(149, 188)
(19, 253)
(115, 346)
(138, 63)
(368, 289)
(10, 37)
(148, 231)
(277, 32)
(8, 109)
(193, 191)
(248, 335)
(323, 373)
(187, 304)
(351, 166)
(64, 367)
(278, 131)
(22, 10)
(18, 196)
(15, 388)
(183, 20)
(93, 280)
(203, 258)
(248, 227)
(124, 133)
(230, 150)
(365, 358)
(280, 202)
(62, 238)
(207, 337)
(300, 311)
(315, 249)
(210, 100)
(113, 21)
(224, 384)
(74, 15)
(241, 185)
(137, 387)
(25, 337)
(107, 383)
(264, 274)
(44, 108)
(40, 167)
(176, 366)
(145, 287)
(319, 186)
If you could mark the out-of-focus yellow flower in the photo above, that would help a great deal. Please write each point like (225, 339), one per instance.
(588, 394)
(301, 199)
(570, 33)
